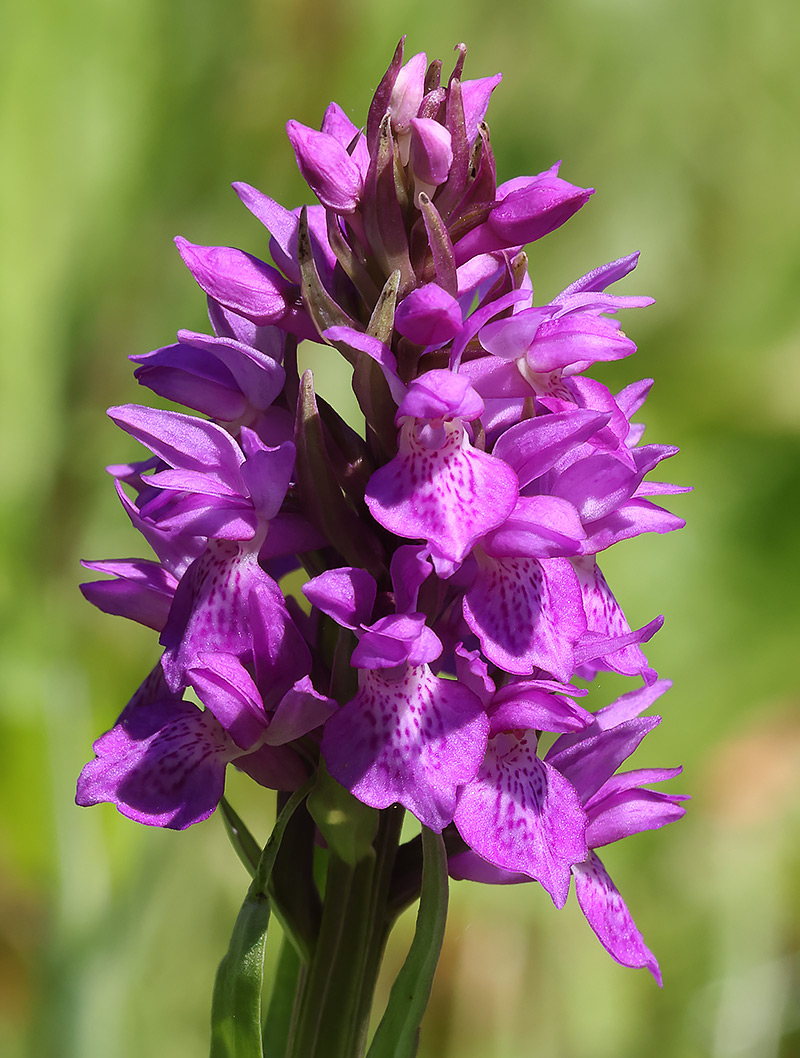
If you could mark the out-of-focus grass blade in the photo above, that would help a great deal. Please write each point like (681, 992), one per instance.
(397, 1035)
(236, 1004)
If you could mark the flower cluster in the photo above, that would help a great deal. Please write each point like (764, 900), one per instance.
(452, 549)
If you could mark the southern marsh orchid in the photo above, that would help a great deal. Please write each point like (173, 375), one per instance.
(437, 658)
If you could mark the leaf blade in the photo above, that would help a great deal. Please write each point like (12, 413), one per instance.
(236, 1001)
(397, 1035)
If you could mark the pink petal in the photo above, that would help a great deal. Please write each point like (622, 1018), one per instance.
(608, 915)
(411, 741)
(527, 614)
(522, 815)
(449, 496)
(163, 766)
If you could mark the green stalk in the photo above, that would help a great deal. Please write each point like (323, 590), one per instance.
(381, 918)
(284, 1005)
(330, 1009)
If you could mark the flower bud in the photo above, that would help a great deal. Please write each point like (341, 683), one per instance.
(327, 168)
(526, 209)
(407, 93)
(428, 316)
(431, 151)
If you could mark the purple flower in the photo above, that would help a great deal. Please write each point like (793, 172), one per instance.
(408, 736)
(614, 806)
(164, 766)
(453, 544)
(439, 487)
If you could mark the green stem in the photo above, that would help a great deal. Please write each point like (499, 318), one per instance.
(381, 919)
(284, 1005)
(329, 1009)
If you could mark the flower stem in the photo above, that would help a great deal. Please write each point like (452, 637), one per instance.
(332, 989)
(338, 989)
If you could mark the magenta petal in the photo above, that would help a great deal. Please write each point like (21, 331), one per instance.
(492, 377)
(592, 761)
(175, 550)
(522, 815)
(280, 222)
(164, 766)
(476, 95)
(431, 151)
(524, 705)
(409, 569)
(259, 376)
(239, 281)
(441, 394)
(396, 639)
(411, 741)
(190, 376)
(538, 527)
(468, 866)
(631, 812)
(375, 348)
(511, 337)
(336, 123)
(622, 709)
(449, 496)
(140, 590)
(473, 672)
(527, 614)
(346, 594)
(299, 711)
(225, 687)
(534, 446)
(479, 318)
(597, 485)
(535, 206)
(604, 276)
(608, 915)
(229, 517)
(326, 167)
(211, 609)
(577, 338)
(407, 92)
(606, 621)
(526, 209)
(428, 316)
(185, 442)
(628, 520)
(266, 474)
(630, 780)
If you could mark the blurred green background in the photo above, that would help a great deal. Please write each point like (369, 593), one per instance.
(122, 125)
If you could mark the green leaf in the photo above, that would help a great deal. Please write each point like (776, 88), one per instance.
(246, 846)
(295, 899)
(282, 1013)
(236, 1004)
(397, 1035)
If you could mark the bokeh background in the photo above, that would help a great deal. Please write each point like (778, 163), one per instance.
(122, 123)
